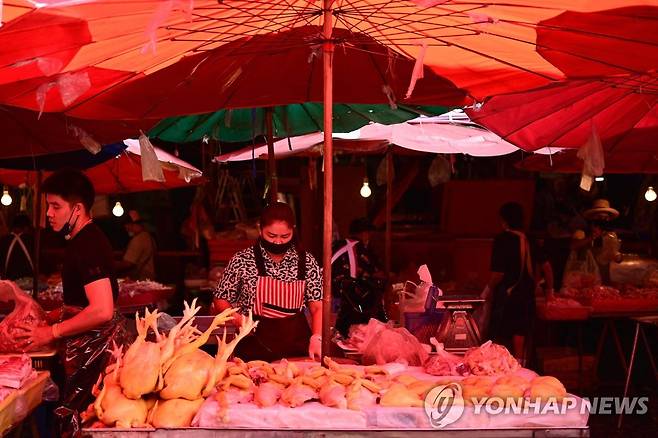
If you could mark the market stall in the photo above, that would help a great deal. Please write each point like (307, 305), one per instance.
(200, 394)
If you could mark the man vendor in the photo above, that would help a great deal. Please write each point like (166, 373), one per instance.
(88, 322)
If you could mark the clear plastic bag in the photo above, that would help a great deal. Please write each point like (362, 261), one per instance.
(581, 270)
(394, 345)
(26, 311)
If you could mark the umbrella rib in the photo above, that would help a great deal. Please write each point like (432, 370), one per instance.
(320, 128)
(573, 122)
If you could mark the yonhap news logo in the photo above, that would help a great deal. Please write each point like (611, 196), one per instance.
(444, 405)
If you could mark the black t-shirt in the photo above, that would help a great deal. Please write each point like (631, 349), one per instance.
(506, 258)
(88, 257)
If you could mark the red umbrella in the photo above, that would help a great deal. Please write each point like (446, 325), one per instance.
(485, 47)
(122, 174)
(621, 109)
(23, 133)
(265, 70)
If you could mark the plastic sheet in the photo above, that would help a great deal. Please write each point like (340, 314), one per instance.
(84, 357)
(151, 167)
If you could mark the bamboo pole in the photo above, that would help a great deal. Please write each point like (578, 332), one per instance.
(271, 158)
(37, 236)
(328, 51)
(389, 212)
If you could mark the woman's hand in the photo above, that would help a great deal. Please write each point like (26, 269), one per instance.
(315, 347)
(34, 337)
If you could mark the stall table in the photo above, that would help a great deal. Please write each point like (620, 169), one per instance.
(21, 402)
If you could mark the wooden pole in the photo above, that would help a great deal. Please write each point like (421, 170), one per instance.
(328, 52)
(37, 236)
(389, 212)
(271, 158)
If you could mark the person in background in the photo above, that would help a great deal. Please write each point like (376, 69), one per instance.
(511, 283)
(275, 280)
(543, 269)
(88, 321)
(358, 282)
(601, 240)
(138, 261)
(17, 249)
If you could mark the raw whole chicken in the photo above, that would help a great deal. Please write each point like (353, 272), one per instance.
(267, 394)
(140, 373)
(359, 397)
(187, 376)
(332, 394)
(297, 394)
(112, 407)
(176, 412)
(399, 395)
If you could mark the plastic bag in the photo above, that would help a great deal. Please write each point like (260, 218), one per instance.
(26, 311)
(394, 345)
(84, 357)
(581, 270)
(593, 160)
(360, 335)
(443, 363)
(151, 167)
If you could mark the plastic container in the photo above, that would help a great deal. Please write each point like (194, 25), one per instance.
(423, 325)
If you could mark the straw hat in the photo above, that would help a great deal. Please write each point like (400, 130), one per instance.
(601, 210)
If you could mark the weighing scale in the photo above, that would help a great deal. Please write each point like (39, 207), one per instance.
(458, 330)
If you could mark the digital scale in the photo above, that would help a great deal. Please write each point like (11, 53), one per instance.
(458, 330)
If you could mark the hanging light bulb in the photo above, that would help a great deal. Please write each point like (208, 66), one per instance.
(599, 179)
(117, 210)
(650, 194)
(365, 189)
(6, 197)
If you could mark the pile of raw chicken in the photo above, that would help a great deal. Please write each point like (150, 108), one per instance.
(163, 383)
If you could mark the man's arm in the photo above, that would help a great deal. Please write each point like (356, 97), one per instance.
(99, 311)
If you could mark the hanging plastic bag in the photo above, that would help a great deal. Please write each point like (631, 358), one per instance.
(439, 171)
(593, 160)
(151, 167)
(581, 270)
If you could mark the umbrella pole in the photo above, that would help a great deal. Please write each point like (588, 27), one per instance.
(271, 158)
(37, 237)
(328, 51)
(389, 210)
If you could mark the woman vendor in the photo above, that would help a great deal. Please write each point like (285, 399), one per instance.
(275, 281)
(88, 323)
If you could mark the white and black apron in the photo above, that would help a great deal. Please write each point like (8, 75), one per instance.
(282, 330)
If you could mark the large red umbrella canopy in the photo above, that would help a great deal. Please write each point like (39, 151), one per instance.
(620, 110)
(483, 47)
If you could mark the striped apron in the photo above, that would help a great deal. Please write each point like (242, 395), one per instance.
(282, 330)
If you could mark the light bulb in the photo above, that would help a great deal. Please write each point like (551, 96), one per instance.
(599, 178)
(650, 194)
(365, 189)
(117, 210)
(6, 198)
